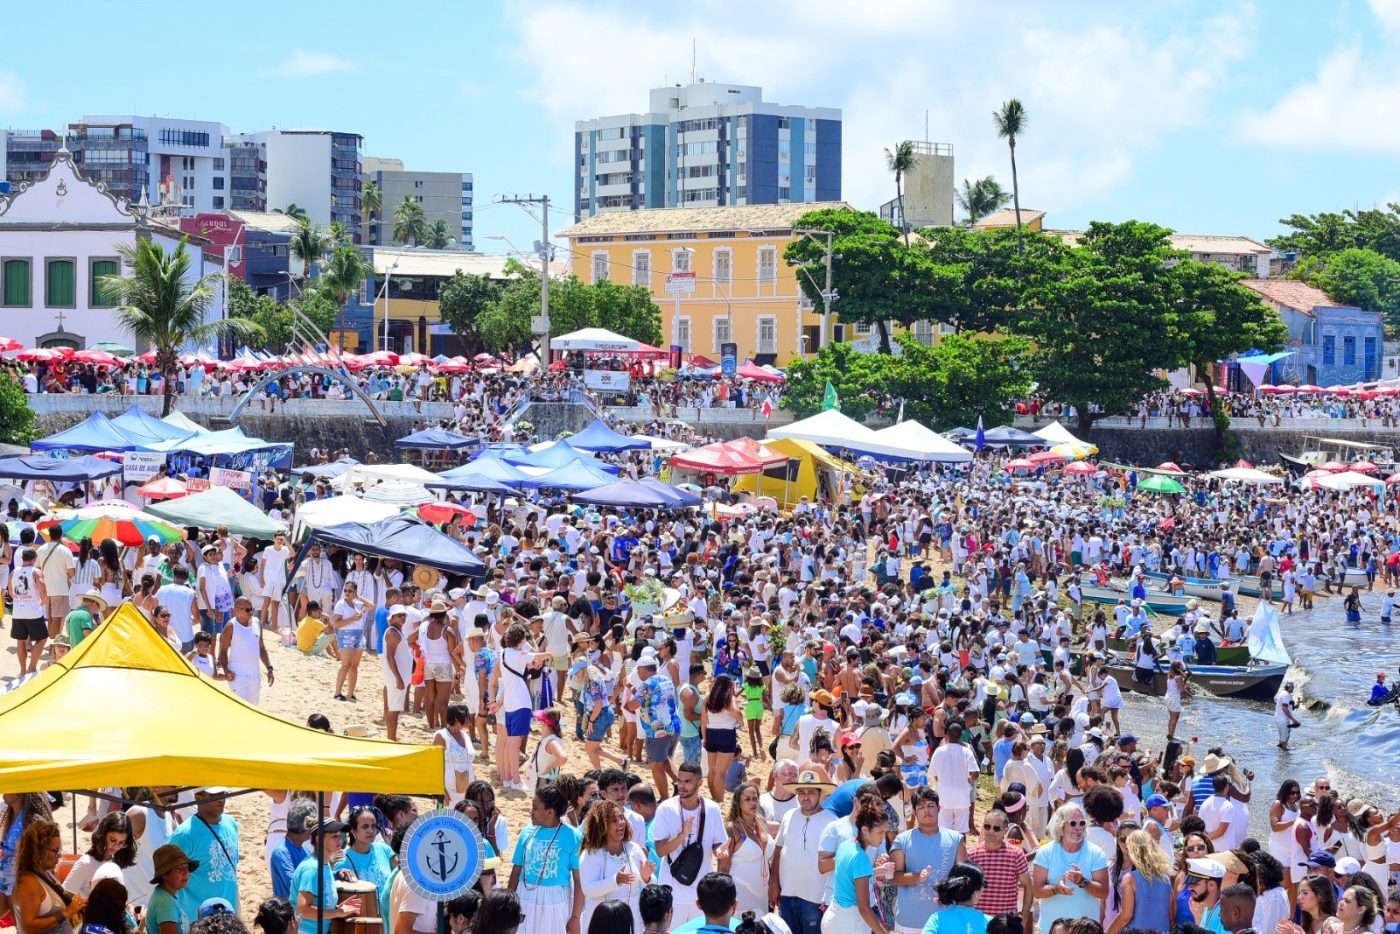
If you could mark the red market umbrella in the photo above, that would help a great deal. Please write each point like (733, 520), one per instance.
(1364, 467)
(1393, 479)
(1047, 457)
(1168, 523)
(163, 488)
(97, 358)
(1170, 466)
(447, 512)
(1081, 468)
(1332, 467)
(1244, 463)
(9, 343)
(39, 355)
(1309, 388)
(1020, 463)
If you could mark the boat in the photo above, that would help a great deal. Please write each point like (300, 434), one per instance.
(1251, 682)
(1207, 588)
(1297, 466)
(1227, 655)
(1157, 601)
(1249, 586)
(1355, 577)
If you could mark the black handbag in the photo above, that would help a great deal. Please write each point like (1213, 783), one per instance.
(685, 865)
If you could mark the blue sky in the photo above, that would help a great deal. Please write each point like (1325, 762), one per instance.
(1205, 117)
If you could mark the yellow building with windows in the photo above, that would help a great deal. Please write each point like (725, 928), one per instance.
(742, 289)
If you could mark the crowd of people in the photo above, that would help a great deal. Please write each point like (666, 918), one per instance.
(877, 715)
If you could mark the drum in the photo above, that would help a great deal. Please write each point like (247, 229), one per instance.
(368, 920)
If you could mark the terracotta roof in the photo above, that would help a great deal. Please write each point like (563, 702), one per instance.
(688, 220)
(1006, 217)
(1192, 243)
(1291, 293)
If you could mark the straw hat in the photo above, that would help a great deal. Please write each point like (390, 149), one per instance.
(96, 597)
(169, 857)
(1216, 763)
(425, 576)
(359, 730)
(810, 779)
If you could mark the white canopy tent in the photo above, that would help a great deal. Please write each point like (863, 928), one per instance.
(913, 441)
(372, 473)
(829, 428)
(1056, 433)
(320, 513)
(598, 339)
(1341, 482)
(1246, 475)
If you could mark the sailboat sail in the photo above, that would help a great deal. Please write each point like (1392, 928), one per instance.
(1264, 638)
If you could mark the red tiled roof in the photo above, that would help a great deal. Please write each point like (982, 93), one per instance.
(1291, 293)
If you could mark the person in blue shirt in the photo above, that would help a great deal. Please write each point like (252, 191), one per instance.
(290, 853)
(958, 894)
(328, 839)
(544, 868)
(717, 896)
(852, 907)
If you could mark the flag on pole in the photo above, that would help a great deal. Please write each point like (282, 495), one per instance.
(900, 417)
(829, 398)
(981, 436)
(767, 409)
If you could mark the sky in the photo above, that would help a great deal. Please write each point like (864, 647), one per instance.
(1205, 117)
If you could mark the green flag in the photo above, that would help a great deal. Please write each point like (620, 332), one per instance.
(829, 398)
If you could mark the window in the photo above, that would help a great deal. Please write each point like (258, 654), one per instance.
(60, 284)
(97, 268)
(218, 183)
(723, 266)
(218, 165)
(641, 268)
(600, 267)
(417, 183)
(862, 328)
(1329, 350)
(722, 333)
(1349, 351)
(683, 333)
(924, 331)
(767, 335)
(1371, 369)
(16, 273)
(768, 264)
(680, 260)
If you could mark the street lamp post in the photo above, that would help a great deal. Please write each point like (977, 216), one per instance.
(828, 294)
(384, 294)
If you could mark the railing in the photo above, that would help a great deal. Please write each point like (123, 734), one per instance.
(1318, 425)
(206, 408)
(691, 414)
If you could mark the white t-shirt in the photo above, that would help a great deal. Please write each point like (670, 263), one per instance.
(949, 768)
(179, 600)
(515, 690)
(55, 560)
(668, 823)
(800, 836)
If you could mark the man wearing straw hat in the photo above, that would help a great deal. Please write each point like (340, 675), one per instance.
(85, 618)
(794, 881)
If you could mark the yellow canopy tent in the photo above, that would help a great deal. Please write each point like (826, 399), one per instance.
(810, 472)
(125, 709)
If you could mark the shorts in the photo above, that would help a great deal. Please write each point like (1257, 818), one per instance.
(660, 748)
(438, 671)
(721, 741)
(350, 638)
(1174, 704)
(691, 750)
(518, 721)
(395, 699)
(600, 727)
(29, 630)
(915, 776)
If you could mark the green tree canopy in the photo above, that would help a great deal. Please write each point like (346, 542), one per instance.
(861, 381)
(504, 324)
(960, 379)
(16, 417)
(1318, 236)
(1358, 276)
(462, 300)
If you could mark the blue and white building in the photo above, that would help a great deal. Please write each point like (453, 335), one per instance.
(1332, 344)
(707, 145)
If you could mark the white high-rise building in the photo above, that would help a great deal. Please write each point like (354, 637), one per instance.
(317, 170)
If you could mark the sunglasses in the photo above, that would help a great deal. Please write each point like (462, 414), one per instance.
(1198, 848)
(994, 828)
(1076, 823)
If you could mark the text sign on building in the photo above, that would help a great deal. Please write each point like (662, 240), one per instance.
(680, 283)
(728, 358)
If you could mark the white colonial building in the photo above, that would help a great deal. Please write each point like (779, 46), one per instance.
(60, 234)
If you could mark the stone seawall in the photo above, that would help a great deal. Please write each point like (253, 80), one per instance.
(1196, 446)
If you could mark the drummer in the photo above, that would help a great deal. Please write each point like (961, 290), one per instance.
(326, 839)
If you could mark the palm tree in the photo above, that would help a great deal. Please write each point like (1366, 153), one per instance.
(160, 307)
(900, 160)
(371, 203)
(1010, 122)
(308, 244)
(438, 237)
(410, 223)
(339, 233)
(294, 211)
(981, 198)
(345, 270)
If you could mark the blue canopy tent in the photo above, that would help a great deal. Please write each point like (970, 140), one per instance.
(405, 538)
(599, 437)
(578, 475)
(1006, 436)
(683, 498)
(559, 454)
(57, 469)
(472, 482)
(327, 471)
(94, 433)
(502, 449)
(491, 469)
(436, 439)
(142, 428)
(627, 494)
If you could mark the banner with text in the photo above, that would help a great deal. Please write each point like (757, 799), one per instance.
(233, 479)
(612, 380)
(139, 466)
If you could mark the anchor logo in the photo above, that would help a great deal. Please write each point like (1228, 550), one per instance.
(441, 842)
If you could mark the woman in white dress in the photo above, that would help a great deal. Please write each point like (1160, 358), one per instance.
(745, 854)
(458, 753)
(611, 863)
(272, 579)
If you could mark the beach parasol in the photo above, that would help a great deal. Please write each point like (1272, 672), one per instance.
(1364, 467)
(446, 512)
(163, 488)
(1170, 466)
(1047, 458)
(1081, 469)
(1020, 463)
(1332, 466)
(97, 358)
(1160, 484)
(1075, 450)
(127, 526)
(8, 344)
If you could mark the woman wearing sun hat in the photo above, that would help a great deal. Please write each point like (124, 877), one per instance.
(164, 915)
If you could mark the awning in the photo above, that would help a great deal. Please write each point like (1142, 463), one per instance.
(729, 458)
(405, 538)
(57, 469)
(576, 475)
(599, 437)
(163, 723)
(334, 510)
(910, 440)
(484, 474)
(94, 433)
(628, 494)
(1055, 433)
(828, 428)
(436, 439)
(593, 339)
(218, 507)
(558, 454)
(143, 428)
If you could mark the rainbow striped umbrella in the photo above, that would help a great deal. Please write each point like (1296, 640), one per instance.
(126, 526)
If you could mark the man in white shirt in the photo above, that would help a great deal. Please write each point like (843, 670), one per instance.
(794, 881)
(58, 567)
(558, 631)
(775, 804)
(178, 598)
(680, 820)
(1227, 819)
(953, 772)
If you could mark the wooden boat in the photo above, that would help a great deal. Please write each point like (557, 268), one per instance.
(1250, 682)
(1227, 655)
(1355, 577)
(1249, 586)
(1204, 587)
(1156, 600)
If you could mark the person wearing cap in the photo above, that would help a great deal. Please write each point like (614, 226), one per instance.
(795, 883)
(85, 618)
(396, 660)
(327, 849)
(1158, 811)
(442, 650)
(212, 837)
(659, 717)
(1284, 706)
(215, 591)
(1204, 876)
(168, 912)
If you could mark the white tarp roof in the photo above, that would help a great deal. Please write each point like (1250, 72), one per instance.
(917, 442)
(661, 444)
(369, 473)
(830, 428)
(1056, 433)
(593, 339)
(1245, 475)
(320, 513)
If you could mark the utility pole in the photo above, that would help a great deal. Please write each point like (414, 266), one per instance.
(829, 294)
(546, 254)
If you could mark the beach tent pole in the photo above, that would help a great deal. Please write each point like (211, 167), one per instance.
(73, 799)
(320, 861)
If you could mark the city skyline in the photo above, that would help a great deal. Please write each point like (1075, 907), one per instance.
(1204, 122)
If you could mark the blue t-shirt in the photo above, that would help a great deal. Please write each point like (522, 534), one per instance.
(938, 851)
(1001, 754)
(217, 875)
(842, 801)
(1056, 862)
(547, 855)
(852, 863)
(164, 907)
(696, 925)
(304, 880)
(375, 866)
(956, 919)
(285, 860)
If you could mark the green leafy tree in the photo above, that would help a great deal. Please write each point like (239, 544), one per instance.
(463, 299)
(161, 307)
(345, 270)
(625, 309)
(980, 198)
(16, 417)
(982, 276)
(1010, 122)
(900, 160)
(319, 306)
(861, 381)
(960, 379)
(1319, 236)
(438, 237)
(573, 304)
(294, 211)
(339, 234)
(275, 321)
(309, 244)
(371, 203)
(410, 223)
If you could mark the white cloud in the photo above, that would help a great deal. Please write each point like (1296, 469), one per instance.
(12, 92)
(304, 64)
(1098, 96)
(1388, 12)
(1347, 107)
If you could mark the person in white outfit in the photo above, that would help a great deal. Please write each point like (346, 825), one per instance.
(241, 649)
(611, 863)
(272, 578)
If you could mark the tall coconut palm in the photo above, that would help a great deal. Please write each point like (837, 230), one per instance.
(308, 244)
(410, 223)
(899, 160)
(1010, 122)
(344, 271)
(338, 232)
(981, 198)
(371, 203)
(438, 238)
(294, 211)
(160, 306)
